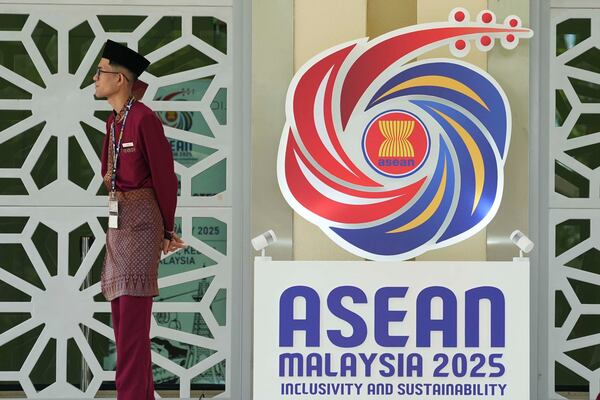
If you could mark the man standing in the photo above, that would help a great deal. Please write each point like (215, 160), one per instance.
(137, 166)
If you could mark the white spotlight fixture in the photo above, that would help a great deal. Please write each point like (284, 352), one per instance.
(524, 244)
(264, 240)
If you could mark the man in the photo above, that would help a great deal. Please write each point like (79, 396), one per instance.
(137, 166)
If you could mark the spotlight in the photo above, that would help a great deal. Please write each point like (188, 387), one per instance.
(524, 244)
(264, 240)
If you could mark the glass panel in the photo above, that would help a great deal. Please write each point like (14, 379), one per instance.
(211, 231)
(95, 137)
(76, 365)
(14, 386)
(190, 90)
(14, 57)
(12, 187)
(589, 61)
(45, 38)
(14, 259)
(184, 292)
(46, 243)
(14, 353)
(190, 121)
(565, 379)
(587, 92)
(569, 183)
(10, 320)
(45, 169)
(80, 171)
(188, 154)
(219, 307)
(570, 233)
(184, 59)
(570, 33)
(184, 322)
(120, 23)
(88, 79)
(214, 375)
(102, 115)
(586, 325)
(80, 40)
(211, 181)
(563, 108)
(211, 30)
(588, 261)
(14, 151)
(562, 309)
(183, 354)
(9, 90)
(586, 356)
(76, 246)
(44, 371)
(13, 224)
(184, 260)
(586, 124)
(102, 347)
(165, 31)
(219, 106)
(10, 293)
(587, 155)
(9, 118)
(586, 292)
(12, 22)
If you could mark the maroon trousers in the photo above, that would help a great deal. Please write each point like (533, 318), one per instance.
(131, 323)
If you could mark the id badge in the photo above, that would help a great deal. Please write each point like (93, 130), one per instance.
(113, 212)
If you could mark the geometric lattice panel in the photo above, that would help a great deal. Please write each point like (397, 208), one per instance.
(574, 306)
(48, 289)
(574, 257)
(56, 339)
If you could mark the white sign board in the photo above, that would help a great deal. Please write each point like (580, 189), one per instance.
(393, 330)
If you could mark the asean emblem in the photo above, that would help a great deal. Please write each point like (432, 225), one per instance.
(390, 158)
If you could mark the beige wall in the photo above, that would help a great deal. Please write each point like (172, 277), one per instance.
(272, 33)
(319, 25)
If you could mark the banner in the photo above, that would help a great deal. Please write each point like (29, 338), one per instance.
(393, 330)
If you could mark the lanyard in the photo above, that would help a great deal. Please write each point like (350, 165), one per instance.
(117, 146)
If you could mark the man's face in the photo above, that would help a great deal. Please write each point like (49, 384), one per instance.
(107, 79)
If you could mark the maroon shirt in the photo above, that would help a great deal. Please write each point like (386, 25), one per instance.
(145, 160)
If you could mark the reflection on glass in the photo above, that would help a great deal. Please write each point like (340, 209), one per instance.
(184, 59)
(45, 170)
(190, 121)
(565, 379)
(45, 241)
(587, 155)
(12, 22)
(219, 106)
(588, 261)
(9, 90)
(570, 33)
(15, 151)
(211, 231)
(80, 172)
(570, 233)
(120, 23)
(563, 108)
(211, 181)
(165, 31)
(14, 57)
(211, 30)
(184, 91)
(587, 92)
(586, 325)
(46, 40)
(561, 308)
(80, 40)
(589, 61)
(569, 183)
(188, 154)
(44, 371)
(585, 125)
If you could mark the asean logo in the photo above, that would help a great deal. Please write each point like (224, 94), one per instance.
(392, 158)
(395, 144)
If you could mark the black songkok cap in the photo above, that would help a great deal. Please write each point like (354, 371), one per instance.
(126, 57)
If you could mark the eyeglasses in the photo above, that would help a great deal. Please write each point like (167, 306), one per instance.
(101, 71)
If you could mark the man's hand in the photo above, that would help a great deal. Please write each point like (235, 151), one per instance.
(171, 245)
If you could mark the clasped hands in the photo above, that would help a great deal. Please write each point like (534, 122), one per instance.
(174, 244)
